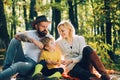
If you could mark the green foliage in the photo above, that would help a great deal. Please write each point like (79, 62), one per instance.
(91, 21)
(101, 49)
(45, 7)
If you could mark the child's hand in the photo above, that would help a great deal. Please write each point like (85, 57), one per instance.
(51, 62)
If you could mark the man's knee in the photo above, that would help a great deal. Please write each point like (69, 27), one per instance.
(15, 41)
(22, 67)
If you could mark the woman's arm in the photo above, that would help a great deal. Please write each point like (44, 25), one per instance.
(62, 61)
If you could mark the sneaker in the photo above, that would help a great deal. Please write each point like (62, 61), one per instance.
(38, 76)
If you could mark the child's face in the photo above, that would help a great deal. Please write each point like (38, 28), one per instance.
(51, 45)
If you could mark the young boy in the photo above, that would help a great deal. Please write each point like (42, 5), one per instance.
(50, 60)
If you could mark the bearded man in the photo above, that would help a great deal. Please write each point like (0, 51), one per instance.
(20, 59)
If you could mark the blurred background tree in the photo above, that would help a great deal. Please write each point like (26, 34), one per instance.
(97, 20)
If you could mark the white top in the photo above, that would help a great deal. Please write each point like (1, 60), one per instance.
(30, 49)
(73, 51)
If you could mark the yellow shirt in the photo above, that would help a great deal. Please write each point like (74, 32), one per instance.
(52, 56)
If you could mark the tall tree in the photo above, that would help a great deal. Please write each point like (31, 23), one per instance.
(4, 37)
(53, 20)
(25, 15)
(57, 17)
(71, 12)
(33, 13)
(108, 28)
(13, 25)
(76, 13)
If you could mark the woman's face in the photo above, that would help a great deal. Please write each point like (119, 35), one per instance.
(64, 32)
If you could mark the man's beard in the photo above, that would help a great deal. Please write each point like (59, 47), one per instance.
(42, 33)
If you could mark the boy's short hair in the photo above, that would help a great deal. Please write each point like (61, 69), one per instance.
(45, 40)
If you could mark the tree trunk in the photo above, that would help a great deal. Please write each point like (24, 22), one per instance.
(4, 37)
(71, 12)
(76, 19)
(53, 21)
(108, 28)
(102, 31)
(13, 25)
(33, 13)
(57, 18)
(25, 16)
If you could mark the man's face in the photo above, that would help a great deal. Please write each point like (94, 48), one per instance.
(42, 28)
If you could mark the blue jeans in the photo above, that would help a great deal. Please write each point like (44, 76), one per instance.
(16, 61)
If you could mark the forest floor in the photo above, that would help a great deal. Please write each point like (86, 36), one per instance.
(117, 76)
(113, 74)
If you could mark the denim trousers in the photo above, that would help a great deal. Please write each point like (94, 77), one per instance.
(16, 61)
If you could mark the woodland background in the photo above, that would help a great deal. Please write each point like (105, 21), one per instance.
(97, 20)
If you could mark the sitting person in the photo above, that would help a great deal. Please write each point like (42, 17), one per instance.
(78, 57)
(23, 60)
(50, 61)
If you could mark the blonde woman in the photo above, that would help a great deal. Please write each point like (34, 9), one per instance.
(78, 57)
